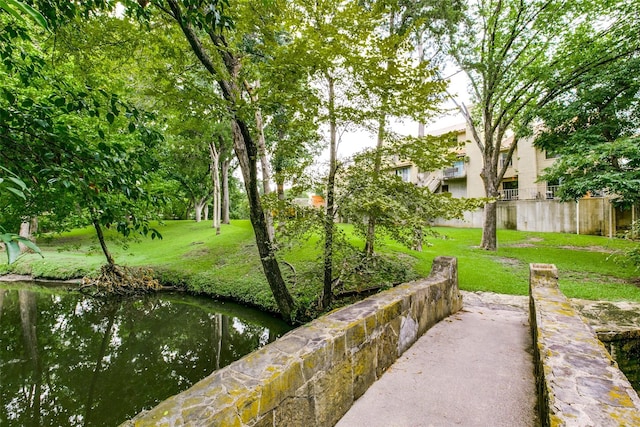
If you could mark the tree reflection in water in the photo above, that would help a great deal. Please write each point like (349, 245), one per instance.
(69, 360)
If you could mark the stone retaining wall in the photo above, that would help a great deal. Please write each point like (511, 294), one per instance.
(578, 382)
(312, 375)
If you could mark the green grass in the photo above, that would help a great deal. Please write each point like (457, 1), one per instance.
(227, 265)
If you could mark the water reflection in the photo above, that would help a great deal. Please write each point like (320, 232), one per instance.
(70, 360)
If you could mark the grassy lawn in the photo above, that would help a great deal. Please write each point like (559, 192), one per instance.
(227, 265)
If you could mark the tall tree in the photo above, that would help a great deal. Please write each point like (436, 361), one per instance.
(214, 33)
(521, 55)
(392, 82)
(80, 149)
(181, 90)
(331, 35)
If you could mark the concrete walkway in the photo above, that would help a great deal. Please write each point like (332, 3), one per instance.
(474, 368)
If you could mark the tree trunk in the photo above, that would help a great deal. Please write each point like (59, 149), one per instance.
(280, 192)
(371, 224)
(489, 232)
(418, 233)
(490, 181)
(104, 345)
(225, 190)
(216, 339)
(329, 213)
(262, 151)
(103, 243)
(26, 231)
(28, 320)
(245, 149)
(199, 206)
(246, 154)
(2, 294)
(489, 141)
(420, 49)
(215, 162)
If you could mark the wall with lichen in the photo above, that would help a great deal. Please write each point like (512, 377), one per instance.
(312, 375)
(579, 384)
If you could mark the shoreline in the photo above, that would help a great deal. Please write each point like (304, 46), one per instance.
(27, 278)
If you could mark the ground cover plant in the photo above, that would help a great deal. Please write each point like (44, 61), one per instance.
(192, 256)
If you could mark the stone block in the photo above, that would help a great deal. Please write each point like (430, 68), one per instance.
(295, 412)
(408, 334)
(281, 385)
(578, 382)
(387, 346)
(265, 420)
(315, 361)
(227, 417)
(333, 393)
(389, 311)
(364, 369)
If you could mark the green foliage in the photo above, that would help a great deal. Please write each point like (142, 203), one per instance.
(522, 55)
(85, 151)
(632, 255)
(228, 266)
(594, 132)
(11, 183)
(402, 210)
(19, 10)
(12, 246)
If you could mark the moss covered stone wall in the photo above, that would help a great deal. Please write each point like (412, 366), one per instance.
(578, 382)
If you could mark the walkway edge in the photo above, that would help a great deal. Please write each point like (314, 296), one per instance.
(578, 382)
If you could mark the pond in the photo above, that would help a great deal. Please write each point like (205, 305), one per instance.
(71, 360)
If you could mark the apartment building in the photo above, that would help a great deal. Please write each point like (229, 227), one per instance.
(525, 202)
(462, 178)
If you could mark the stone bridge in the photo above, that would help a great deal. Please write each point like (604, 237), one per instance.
(314, 374)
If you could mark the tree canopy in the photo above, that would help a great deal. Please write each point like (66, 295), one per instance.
(520, 56)
(594, 130)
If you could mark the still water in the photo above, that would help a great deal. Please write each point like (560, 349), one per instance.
(70, 360)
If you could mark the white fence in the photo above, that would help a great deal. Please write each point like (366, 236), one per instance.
(595, 215)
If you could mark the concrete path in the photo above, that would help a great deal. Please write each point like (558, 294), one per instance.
(474, 368)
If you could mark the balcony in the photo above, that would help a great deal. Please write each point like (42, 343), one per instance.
(454, 173)
(549, 193)
(511, 194)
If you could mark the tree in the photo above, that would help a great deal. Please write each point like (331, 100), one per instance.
(176, 86)
(80, 149)
(209, 29)
(402, 210)
(392, 82)
(330, 37)
(521, 55)
(593, 130)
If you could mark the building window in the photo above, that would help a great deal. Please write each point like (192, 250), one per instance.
(548, 154)
(404, 174)
(503, 159)
(444, 188)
